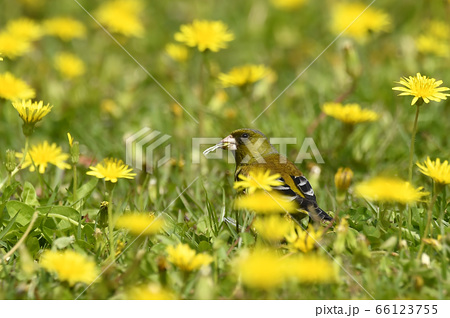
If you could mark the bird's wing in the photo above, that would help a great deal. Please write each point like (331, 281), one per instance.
(295, 185)
(299, 183)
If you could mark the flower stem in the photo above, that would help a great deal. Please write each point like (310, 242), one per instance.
(24, 236)
(112, 251)
(75, 183)
(442, 229)
(428, 226)
(203, 79)
(19, 166)
(411, 148)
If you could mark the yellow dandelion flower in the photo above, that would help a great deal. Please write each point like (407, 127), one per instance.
(261, 269)
(110, 107)
(13, 88)
(273, 227)
(429, 44)
(149, 292)
(301, 240)
(439, 172)
(70, 266)
(69, 65)
(43, 154)
(389, 190)
(313, 269)
(177, 52)
(140, 223)
(13, 46)
(360, 20)
(65, 28)
(122, 16)
(287, 4)
(25, 29)
(349, 113)
(186, 258)
(439, 29)
(243, 75)
(111, 170)
(259, 179)
(31, 112)
(205, 35)
(422, 87)
(265, 202)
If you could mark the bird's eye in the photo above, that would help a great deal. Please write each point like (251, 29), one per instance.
(245, 135)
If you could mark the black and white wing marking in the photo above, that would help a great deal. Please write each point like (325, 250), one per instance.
(285, 190)
(305, 187)
(306, 201)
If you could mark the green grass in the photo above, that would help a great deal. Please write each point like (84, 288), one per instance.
(195, 211)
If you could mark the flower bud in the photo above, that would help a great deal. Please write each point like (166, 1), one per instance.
(10, 160)
(343, 179)
(75, 152)
(102, 216)
(352, 62)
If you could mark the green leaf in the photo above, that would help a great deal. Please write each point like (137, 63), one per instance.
(63, 242)
(29, 195)
(371, 231)
(9, 191)
(64, 216)
(247, 239)
(26, 212)
(8, 226)
(32, 245)
(84, 191)
(204, 246)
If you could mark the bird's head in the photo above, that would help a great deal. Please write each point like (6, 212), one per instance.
(248, 145)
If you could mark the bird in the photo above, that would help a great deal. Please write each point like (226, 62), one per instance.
(253, 151)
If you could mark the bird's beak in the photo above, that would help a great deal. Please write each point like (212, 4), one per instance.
(229, 143)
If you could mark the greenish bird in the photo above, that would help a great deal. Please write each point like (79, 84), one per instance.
(253, 151)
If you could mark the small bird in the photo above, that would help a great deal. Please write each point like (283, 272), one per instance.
(253, 151)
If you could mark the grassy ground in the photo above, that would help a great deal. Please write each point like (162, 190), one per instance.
(131, 82)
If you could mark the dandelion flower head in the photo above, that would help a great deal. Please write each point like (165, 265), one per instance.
(31, 112)
(358, 20)
(69, 65)
(122, 17)
(265, 202)
(422, 87)
(177, 52)
(349, 113)
(389, 189)
(186, 258)
(111, 169)
(70, 266)
(65, 28)
(205, 35)
(44, 154)
(13, 88)
(436, 170)
(258, 179)
(140, 223)
(13, 46)
(243, 75)
(149, 292)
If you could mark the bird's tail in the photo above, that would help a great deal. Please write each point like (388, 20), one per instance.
(317, 214)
